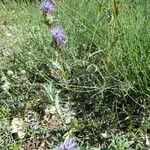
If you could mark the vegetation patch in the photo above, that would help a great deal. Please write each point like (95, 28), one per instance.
(75, 75)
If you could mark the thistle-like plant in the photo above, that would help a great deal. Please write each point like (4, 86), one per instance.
(58, 37)
(47, 9)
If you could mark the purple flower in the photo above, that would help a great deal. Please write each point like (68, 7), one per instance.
(58, 37)
(47, 7)
(68, 144)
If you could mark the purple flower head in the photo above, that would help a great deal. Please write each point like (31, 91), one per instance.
(58, 37)
(68, 144)
(47, 7)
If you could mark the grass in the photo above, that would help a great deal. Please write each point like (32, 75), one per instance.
(99, 84)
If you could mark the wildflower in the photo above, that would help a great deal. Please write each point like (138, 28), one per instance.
(58, 37)
(68, 144)
(47, 7)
